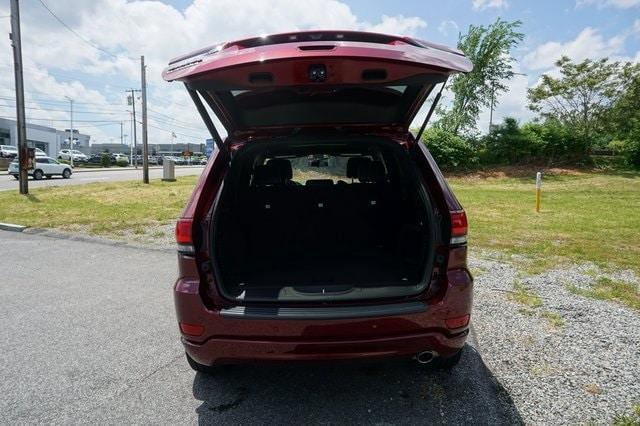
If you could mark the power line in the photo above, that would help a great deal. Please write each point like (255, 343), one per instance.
(84, 39)
(65, 120)
(66, 110)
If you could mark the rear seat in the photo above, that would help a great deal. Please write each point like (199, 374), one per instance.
(283, 218)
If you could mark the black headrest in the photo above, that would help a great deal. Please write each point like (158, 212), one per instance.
(282, 167)
(371, 172)
(319, 182)
(265, 175)
(354, 164)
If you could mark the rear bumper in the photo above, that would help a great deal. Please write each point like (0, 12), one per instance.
(228, 350)
(231, 339)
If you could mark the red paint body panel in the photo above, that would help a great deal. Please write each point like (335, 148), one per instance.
(230, 339)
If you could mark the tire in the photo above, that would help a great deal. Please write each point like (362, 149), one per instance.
(66, 173)
(195, 366)
(16, 177)
(37, 174)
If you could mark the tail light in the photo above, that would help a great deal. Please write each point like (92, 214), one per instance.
(184, 237)
(459, 227)
(457, 322)
(191, 329)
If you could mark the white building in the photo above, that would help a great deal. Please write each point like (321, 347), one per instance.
(46, 138)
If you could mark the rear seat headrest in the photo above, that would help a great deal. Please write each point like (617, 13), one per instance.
(283, 168)
(371, 172)
(354, 164)
(265, 175)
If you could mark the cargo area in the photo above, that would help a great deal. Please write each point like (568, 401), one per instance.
(313, 221)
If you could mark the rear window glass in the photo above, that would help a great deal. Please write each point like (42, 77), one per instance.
(316, 167)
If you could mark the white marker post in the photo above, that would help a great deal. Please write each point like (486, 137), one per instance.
(538, 190)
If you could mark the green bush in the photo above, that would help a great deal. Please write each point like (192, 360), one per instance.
(508, 143)
(451, 152)
(631, 151)
(105, 160)
(122, 162)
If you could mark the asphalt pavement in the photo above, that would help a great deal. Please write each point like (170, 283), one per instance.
(88, 335)
(8, 182)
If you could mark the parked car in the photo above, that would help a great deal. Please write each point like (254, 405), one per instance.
(67, 154)
(363, 258)
(119, 157)
(44, 167)
(178, 161)
(40, 153)
(8, 151)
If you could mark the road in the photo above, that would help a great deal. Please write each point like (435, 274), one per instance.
(88, 335)
(7, 182)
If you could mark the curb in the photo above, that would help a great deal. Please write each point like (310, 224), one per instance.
(12, 227)
(62, 235)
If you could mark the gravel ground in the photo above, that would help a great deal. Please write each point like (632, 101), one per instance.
(583, 369)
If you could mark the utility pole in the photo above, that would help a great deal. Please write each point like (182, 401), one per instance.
(132, 102)
(121, 133)
(16, 44)
(70, 130)
(145, 144)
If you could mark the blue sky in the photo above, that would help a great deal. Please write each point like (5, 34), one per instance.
(60, 63)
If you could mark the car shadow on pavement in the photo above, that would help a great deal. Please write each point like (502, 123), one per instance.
(389, 392)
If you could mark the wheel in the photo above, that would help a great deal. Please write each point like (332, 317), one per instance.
(66, 173)
(60, 157)
(16, 177)
(37, 174)
(195, 366)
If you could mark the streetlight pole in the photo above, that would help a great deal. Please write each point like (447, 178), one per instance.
(21, 124)
(132, 97)
(70, 130)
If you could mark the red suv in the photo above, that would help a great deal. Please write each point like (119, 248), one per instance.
(320, 229)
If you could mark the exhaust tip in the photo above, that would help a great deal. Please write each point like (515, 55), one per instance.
(426, 357)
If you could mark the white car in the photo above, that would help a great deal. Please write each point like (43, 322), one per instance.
(8, 151)
(40, 153)
(66, 154)
(44, 167)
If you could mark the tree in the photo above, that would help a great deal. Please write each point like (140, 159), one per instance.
(489, 49)
(624, 116)
(581, 96)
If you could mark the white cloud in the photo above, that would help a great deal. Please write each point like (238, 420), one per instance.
(493, 4)
(620, 4)
(58, 64)
(397, 25)
(588, 44)
(447, 27)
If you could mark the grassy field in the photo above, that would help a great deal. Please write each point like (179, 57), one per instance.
(98, 208)
(584, 217)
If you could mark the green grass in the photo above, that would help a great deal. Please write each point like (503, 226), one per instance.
(608, 289)
(98, 208)
(631, 419)
(585, 216)
(554, 318)
(525, 297)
